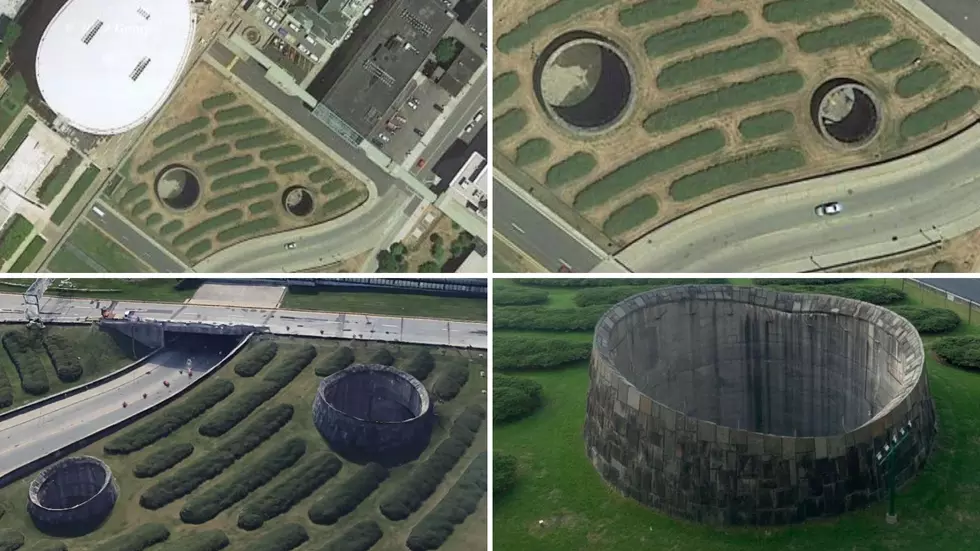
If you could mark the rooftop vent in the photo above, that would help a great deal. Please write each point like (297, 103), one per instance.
(143, 13)
(90, 34)
(139, 69)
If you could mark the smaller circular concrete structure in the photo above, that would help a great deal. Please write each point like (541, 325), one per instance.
(298, 201)
(846, 112)
(584, 82)
(73, 496)
(373, 413)
(178, 187)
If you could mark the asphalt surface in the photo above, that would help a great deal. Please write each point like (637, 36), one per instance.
(474, 100)
(141, 246)
(966, 288)
(537, 236)
(962, 14)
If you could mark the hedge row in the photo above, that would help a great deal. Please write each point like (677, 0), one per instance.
(299, 165)
(607, 296)
(182, 147)
(171, 418)
(218, 100)
(238, 128)
(225, 166)
(519, 352)
(137, 539)
(162, 459)
(33, 377)
(340, 359)
(181, 130)
(881, 295)
(239, 178)
(504, 473)
(256, 357)
(298, 484)
(451, 382)
(346, 496)
(239, 407)
(383, 357)
(460, 502)
(578, 165)
(804, 281)
(631, 215)
(548, 319)
(411, 493)
(961, 351)
(6, 391)
(206, 505)
(514, 397)
(929, 320)
(421, 365)
(206, 540)
(11, 540)
(652, 10)
(75, 193)
(638, 282)
(67, 364)
(513, 295)
(284, 537)
(251, 227)
(259, 140)
(49, 545)
(187, 479)
(360, 537)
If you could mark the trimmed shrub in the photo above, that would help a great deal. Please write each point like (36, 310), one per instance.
(67, 364)
(218, 100)
(514, 295)
(162, 459)
(171, 418)
(189, 478)
(241, 195)
(280, 152)
(858, 31)
(648, 283)
(212, 152)
(921, 79)
(631, 215)
(578, 165)
(256, 357)
(421, 365)
(299, 165)
(227, 165)
(939, 112)
(960, 351)
(736, 171)
(519, 352)
(804, 281)
(342, 499)
(284, 537)
(33, 377)
(504, 473)
(712, 64)
(695, 33)
(460, 502)
(233, 113)
(239, 128)
(504, 86)
(194, 233)
(766, 124)
(451, 382)
(11, 540)
(206, 505)
(49, 545)
(295, 486)
(182, 147)
(248, 228)
(181, 130)
(532, 151)
(929, 320)
(137, 539)
(508, 124)
(802, 11)
(6, 391)
(532, 26)
(514, 397)
(896, 55)
(881, 295)
(360, 537)
(340, 359)
(644, 12)
(291, 367)
(383, 357)
(321, 175)
(56, 180)
(406, 498)
(199, 248)
(259, 140)
(207, 540)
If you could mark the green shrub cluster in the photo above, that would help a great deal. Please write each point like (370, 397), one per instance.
(255, 358)
(695, 33)
(523, 318)
(261, 206)
(712, 64)
(25, 357)
(56, 180)
(239, 128)
(577, 165)
(896, 55)
(766, 124)
(504, 86)
(206, 505)
(284, 537)
(513, 295)
(205, 540)
(13, 234)
(249, 228)
(133, 193)
(344, 202)
(460, 502)
(554, 13)
(504, 473)
(207, 226)
(602, 297)
(28, 255)
(49, 545)
(802, 11)
(448, 385)
(736, 171)
(343, 498)
(649, 164)
(218, 100)
(921, 79)
(171, 227)
(633, 282)
(421, 365)
(508, 124)
(514, 397)
(66, 361)
(881, 295)
(240, 196)
(929, 320)
(939, 113)
(532, 151)
(520, 352)
(137, 539)
(631, 215)
(299, 165)
(804, 281)
(852, 33)
(6, 390)
(280, 152)
(182, 147)
(171, 418)
(295, 486)
(360, 537)
(162, 459)
(333, 186)
(233, 113)
(187, 479)
(960, 351)
(259, 140)
(16, 139)
(75, 193)
(383, 356)
(340, 359)
(212, 152)
(227, 165)
(242, 404)
(652, 10)
(11, 540)
(411, 492)
(321, 175)
(181, 130)
(199, 248)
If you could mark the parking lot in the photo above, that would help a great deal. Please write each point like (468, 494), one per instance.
(409, 119)
(285, 56)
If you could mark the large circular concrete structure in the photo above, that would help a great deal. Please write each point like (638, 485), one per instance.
(585, 83)
(73, 496)
(373, 413)
(178, 187)
(846, 112)
(740, 405)
(106, 66)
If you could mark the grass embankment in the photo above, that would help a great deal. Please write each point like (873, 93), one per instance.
(386, 304)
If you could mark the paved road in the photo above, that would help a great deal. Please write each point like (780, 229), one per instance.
(536, 235)
(966, 288)
(474, 100)
(139, 244)
(964, 15)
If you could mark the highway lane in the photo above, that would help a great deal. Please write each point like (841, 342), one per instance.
(965, 16)
(139, 244)
(537, 236)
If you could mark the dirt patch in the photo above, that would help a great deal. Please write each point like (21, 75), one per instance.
(959, 255)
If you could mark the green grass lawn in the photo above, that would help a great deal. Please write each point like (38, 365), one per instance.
(97, 247)
(389, 304)
(939, 510)
(164, 290)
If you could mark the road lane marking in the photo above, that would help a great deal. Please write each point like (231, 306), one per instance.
(516, 227)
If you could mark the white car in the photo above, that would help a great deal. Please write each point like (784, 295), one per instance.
(271, 23)
(291, 246)
(384, 138)
(478, 116)
(828, 209)
(468, 129)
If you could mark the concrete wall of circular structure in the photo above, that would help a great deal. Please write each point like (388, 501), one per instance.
(373, 413)
(741, 405)
(72, 496)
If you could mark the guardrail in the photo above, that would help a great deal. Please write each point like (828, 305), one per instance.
(948, 299)
(51, 457)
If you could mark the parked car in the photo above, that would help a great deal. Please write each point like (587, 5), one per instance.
(828, 209)
(291, 246)
(418, 132)
(468, 129)
(384, 138)
(478, 116)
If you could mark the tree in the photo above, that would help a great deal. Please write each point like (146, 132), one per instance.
(463, 243)
(446, 50)
(429, 267)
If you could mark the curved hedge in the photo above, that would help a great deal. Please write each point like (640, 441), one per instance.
(961, 351)
(421, 365)
(460, 502)
(383, 357)
(284, 537)
(171, 418)
(67, 364)
(504, 472)
(340, 359)
(206, 505)
(360, 537)
(346, 496)
(207, 540)
(298, 484)
(406, 498)
(514, 295)
(451, 382)
(11, 540)
(256, 358)
(162, 459)
(6, 391)
(882, 295)
(929, 320)
(520, 352)
(33, 378)
(804, 281)
(514, 397)
(187, 479)
(137, 539)
(549, 319)
(49, 545)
